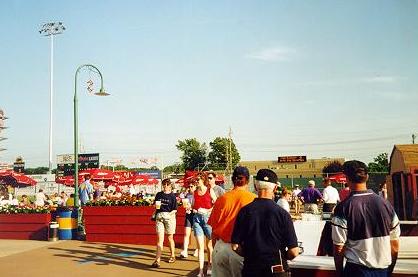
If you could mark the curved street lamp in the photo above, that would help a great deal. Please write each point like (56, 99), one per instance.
(100, 93)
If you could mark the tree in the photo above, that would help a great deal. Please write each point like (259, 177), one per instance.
(174, 168)
(380, 163)
(218, 156)
(194, 153)
(332, 167)
(37, 170)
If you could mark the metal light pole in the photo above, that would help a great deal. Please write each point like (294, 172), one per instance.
(50, 30)
(100, 93)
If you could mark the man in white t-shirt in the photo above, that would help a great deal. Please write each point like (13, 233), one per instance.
(330, 196)
(40, 198)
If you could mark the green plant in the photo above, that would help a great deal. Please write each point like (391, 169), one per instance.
(125, 201)
(11, 209)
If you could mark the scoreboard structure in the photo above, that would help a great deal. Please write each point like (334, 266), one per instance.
(65, 163)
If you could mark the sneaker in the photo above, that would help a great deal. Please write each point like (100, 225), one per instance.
(183, 254)
(209, 271)
(196, 253)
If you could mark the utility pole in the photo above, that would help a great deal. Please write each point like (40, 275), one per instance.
(230, 150)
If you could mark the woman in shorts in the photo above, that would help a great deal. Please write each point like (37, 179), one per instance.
(188, 220)
(204, 197)
(165, 220)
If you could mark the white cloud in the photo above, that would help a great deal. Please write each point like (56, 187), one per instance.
(381, 79)
(373, 80)
(275, 54)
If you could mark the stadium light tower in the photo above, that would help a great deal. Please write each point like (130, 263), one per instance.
(50, 30)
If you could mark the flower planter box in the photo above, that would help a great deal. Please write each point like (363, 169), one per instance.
(126, 224)
(24, 226)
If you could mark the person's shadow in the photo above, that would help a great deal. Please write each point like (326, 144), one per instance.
(123, 255)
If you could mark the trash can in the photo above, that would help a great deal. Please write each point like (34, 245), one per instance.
(53, 231)
(67, 221)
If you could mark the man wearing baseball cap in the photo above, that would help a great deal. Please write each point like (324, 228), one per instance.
(310, 197)
(263, 231)
(225, 262)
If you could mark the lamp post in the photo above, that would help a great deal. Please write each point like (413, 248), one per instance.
(50, 30)
(100, 93)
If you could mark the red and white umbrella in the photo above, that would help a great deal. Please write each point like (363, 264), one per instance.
(140, 180)
(98, 174)
(9, 177)
(152, 181)
(69, 180)
(338, 178)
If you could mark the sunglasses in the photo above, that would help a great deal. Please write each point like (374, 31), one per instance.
(210, 178)
(166, 184)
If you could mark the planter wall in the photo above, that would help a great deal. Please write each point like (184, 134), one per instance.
(24, 226)
(126, 224)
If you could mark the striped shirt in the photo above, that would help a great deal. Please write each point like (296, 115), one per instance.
(365, 223)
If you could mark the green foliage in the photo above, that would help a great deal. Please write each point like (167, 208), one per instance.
(380, 164)
(333, 167)
(174, 168)
(218, 156)
(124, 201)
(10, 209)
(37, 170)
(193, 153)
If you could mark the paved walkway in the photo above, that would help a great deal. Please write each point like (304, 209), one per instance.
(78, 258)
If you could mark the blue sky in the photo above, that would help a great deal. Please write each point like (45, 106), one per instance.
(319, 78)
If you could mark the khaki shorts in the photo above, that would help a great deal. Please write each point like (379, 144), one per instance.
(311, 208)
(166, 223)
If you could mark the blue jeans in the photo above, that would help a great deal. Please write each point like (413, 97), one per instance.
(351, 270)
(200, 225)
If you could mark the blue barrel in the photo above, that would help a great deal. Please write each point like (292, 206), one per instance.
(67, 221)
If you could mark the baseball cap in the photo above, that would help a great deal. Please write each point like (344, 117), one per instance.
(241, 170)
(267, 175)
(311, 182)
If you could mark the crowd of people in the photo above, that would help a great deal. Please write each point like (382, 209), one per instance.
(40, 199)
(247, 234)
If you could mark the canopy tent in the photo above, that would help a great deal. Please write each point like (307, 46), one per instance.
(9, 177)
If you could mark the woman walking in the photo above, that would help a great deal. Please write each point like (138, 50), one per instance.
(188, 220)
(166, 208)
(204, 197)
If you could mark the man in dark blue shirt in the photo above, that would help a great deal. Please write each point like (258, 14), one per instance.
(263, 233)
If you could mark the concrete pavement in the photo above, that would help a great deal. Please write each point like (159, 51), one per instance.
(78, 258)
